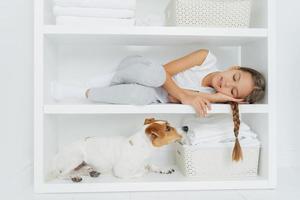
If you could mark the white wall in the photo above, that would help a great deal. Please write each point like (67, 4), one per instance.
(288, 81)
(16, 86)
(16, 75)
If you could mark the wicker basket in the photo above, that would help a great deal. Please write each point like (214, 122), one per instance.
(215, 161)
(209, 13)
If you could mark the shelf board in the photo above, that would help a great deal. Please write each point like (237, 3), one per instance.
(153, 186)
(154, 181)
(159, 108)
(167, 35)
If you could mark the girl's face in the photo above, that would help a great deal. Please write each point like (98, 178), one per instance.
(233, 82)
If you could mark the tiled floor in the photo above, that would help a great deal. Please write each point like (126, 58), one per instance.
(288, 189)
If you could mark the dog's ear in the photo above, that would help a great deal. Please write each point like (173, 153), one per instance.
(149, 121)
(156, 130)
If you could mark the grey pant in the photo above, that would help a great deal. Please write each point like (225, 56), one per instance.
(134, 83)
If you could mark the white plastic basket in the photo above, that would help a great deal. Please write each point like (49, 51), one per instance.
(209, 13)
(215, 161)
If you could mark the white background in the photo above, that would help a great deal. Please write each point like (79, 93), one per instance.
(16, 87)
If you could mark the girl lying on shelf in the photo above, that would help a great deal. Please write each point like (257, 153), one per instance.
(193, 79)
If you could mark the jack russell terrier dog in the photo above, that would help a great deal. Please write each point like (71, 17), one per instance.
(125, 157)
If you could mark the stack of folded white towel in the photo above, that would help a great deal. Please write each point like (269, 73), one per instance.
(95, 12)
(217, 130)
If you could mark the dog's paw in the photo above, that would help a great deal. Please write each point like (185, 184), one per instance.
(94, 174)
(170, 171)
(76, 179)
(156, 169)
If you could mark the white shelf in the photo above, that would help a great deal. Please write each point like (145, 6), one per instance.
(153, 181)
(74, 53)
(131, 109)
(152, 186)
(154, 35)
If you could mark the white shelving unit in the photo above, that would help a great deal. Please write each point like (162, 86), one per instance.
(77, 53)
(131, 109)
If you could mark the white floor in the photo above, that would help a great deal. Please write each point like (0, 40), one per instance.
(288, 188)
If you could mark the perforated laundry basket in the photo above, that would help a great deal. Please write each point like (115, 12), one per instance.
(215, 161)
(209, 13)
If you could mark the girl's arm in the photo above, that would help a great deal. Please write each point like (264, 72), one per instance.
(179, 65)
(200, 104)
(182, 64)
(186, 62)
(213, 98)
(200, 101)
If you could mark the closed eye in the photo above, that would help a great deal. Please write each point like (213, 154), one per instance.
(234, 92)
(234, 77)
(237, 77)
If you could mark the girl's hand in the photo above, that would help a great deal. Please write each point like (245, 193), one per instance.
(200, 104)
(221, 98)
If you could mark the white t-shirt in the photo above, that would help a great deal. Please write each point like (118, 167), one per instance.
(191, 79)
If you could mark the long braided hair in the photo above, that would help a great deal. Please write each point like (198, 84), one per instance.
(257, 94)
(237, 153)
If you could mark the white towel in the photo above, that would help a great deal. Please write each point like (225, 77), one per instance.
(213, 126)
(114, 4)
(93, 12)
(227, 137)
(244, 142)
(93, 21)
(208, 131)
(216, 129)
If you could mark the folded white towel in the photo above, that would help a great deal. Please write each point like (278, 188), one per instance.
(216, 129)
(93, 12)
(93, 21)
(213, 126)
(212, 131)
(114, 4)
(244, 142)
(227, 137)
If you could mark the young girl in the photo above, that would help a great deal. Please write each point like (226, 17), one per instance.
(193, 79)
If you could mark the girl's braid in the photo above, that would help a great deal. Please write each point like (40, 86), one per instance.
(237, 153)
